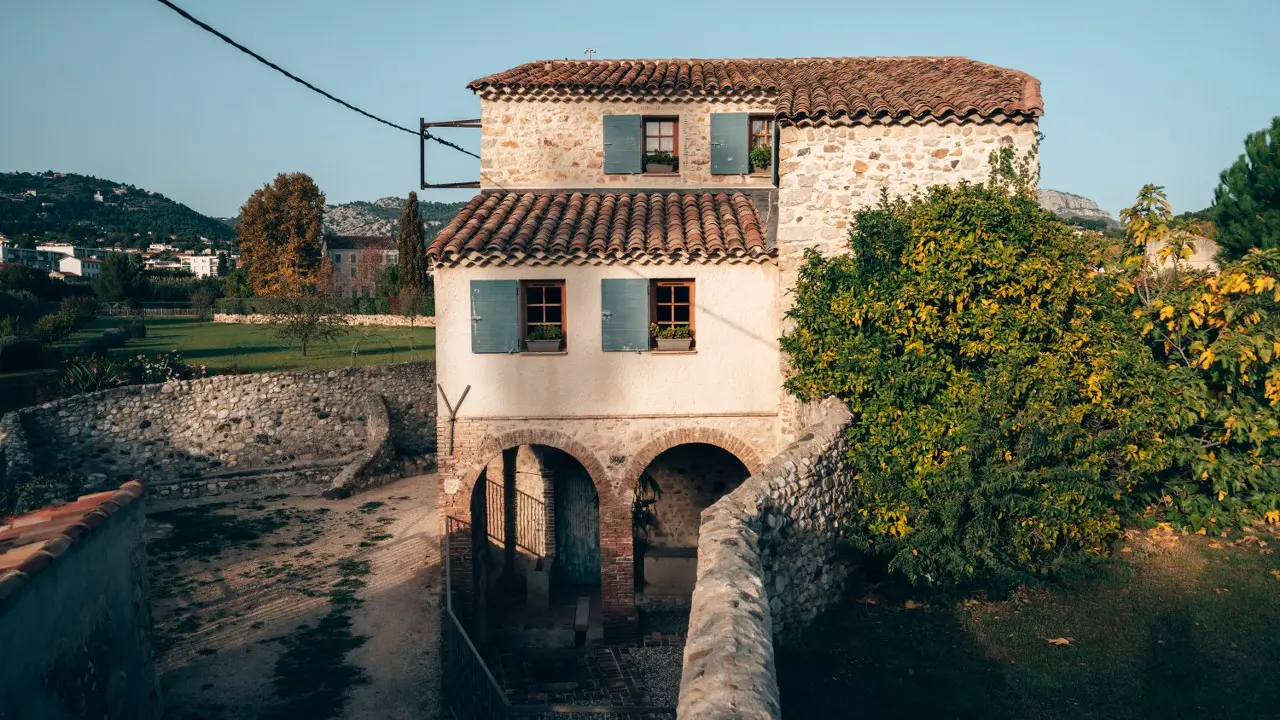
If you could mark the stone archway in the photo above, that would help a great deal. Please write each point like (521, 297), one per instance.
(702, 435)
(616, 551)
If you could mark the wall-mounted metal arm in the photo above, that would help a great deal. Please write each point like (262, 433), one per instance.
(424, 134)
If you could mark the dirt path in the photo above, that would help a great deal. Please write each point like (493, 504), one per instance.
(296, 606)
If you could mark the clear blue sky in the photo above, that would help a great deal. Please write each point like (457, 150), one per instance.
(1135, 91)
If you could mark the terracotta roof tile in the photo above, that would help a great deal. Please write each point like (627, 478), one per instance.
(31, 542)
(801, 88)
(582, 227)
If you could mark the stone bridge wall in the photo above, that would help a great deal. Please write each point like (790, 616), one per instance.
(768, 562)
(228, 425)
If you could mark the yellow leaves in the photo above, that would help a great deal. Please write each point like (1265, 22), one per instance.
(911, 605)
(1263, 284)
(1206, 359)
(1275, 573)
(1272, 517)
(1221, 494)
(1166, 312)
(1058, 641)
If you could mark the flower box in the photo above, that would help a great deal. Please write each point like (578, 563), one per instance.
(542, 345)
(659, 168)
(668, 344)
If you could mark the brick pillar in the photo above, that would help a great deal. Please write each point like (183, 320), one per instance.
(617, 574)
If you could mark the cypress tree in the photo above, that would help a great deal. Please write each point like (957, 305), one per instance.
(1246, 204)
(412, 246)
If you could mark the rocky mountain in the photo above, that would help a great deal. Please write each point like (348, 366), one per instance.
(85, 209)
(1071, 207)
(382, 216)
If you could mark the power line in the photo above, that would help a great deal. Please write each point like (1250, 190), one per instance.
(209, 29)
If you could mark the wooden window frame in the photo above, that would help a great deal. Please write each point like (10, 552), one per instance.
(675, 139)
(564, 309)
(751, 136)
(693, 301)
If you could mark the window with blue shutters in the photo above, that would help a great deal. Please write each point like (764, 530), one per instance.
(495, 316)
(730, 136)
(623, 154)
(624, 323)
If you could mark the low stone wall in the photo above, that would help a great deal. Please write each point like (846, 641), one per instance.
(74, 613)
(16, 468)
(768, 562)
(182, 432)
(380, 320)
(375, 459)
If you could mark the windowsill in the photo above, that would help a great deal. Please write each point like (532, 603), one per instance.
(655, 351)
(761, 173)
(531, 353)
(657, 174)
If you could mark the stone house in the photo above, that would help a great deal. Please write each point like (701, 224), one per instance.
(358, 261)
(621, 194)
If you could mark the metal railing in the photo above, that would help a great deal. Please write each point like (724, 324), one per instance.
(531, 518)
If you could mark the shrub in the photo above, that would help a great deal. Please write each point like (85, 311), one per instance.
(1246, 203)
(115, 338)
(92, 347)
(136, 327)
(50, 329)
(81, 308)
(1219, 337)
(545, 332)
(146, 369)
(90, 374)
(10, 325)
(17, 354)
(1003, 402)
(20, 304)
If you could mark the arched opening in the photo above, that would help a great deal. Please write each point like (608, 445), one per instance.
(537, 562)
(671, 493)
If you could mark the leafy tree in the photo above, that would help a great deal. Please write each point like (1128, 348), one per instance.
(224, 264)
(411, 243)
(1003, 401)
(306, 319)
(1219, 337)
(1246, 204)
(280, 232)
(236, 284)
(122, 278)
(37, 282)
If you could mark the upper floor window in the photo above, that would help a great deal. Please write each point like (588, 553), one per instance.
(640, 315)
(337, 257)
(661, 145)
(544, 305)
(671, 313)
(761, 132)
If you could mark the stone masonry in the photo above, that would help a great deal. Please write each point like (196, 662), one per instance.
(233, 424)
(560, 144)
(768, 562)
(614, 452)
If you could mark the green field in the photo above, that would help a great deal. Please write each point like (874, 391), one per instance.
(1175, 627)
(252, 348)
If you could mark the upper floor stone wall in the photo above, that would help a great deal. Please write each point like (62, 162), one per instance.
(538, 144)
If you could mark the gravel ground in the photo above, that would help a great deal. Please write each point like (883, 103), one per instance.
(291, 606)
(657, 670)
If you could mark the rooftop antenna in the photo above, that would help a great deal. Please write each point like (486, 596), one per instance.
(589, 52)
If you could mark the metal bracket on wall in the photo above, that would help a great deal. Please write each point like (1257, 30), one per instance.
(424, 134)
(453, 410)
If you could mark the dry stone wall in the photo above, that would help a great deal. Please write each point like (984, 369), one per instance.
(382, 320)
(215, 434)
(768, 562)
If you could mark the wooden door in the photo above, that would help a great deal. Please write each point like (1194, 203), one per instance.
(577, 528)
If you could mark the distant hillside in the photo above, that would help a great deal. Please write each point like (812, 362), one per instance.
(382, 217)
(1076, 209)
(67, 206)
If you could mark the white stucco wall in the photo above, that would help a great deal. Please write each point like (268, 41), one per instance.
(734, 369)
(539, 144)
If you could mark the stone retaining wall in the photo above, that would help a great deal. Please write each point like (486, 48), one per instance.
(185, 431)
(381, 320)
(768, 562)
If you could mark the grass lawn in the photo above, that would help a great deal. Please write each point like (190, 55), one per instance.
(1176, 627)
(252, 348)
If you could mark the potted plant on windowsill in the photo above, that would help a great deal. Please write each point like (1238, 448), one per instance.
(659, 161)
(677, 337)
(761, 158)
(544, 338)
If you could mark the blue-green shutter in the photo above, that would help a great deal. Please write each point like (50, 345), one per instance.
(729, 135)
(495, 316)
(622, 144)
(625, 309)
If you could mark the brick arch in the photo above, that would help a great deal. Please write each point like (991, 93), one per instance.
(706, 436)
(492, 446)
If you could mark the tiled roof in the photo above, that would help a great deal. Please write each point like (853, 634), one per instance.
(360, 242)
(801, 88)
(601, 227)
(29, 543)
